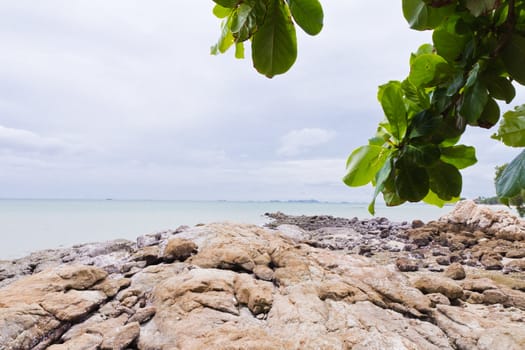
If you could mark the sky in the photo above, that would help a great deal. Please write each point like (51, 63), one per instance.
(122, 99)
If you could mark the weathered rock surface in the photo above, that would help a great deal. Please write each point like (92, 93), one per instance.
(229, 286)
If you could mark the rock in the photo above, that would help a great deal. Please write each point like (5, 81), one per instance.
(434, 284)
(494, 296)
(257, 295)
(84, 342)
(515, 265)
(263, 272)
(515, 253)
(149, 254)
(406, 265)
(491, 262)
(179, 249)
(455, 271)
(417, 223)
(438, 298)
(121, 337)
(443, 260)
(478, 284)
(143, 315)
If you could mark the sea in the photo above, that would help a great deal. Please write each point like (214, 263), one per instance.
(28, 225)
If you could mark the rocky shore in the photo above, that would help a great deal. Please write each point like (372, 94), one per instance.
(300, 283)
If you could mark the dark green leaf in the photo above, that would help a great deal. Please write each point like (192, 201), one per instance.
(501, 88)
(445, 180)
(512, 180)
(391, 97)
(490, 115)
(474, 102)
(227, 3)
(364, 163)
(380, 180)
(478, 7)
(428, 69)
(422, 155)
(460, 156)
(514, 57)
(274, 45)
(411, 181)
(456, 84)
(424, 123)
(512, 128)
(244, 22)
(422, 17)
(308, 14)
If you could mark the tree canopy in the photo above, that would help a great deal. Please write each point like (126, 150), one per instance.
(476, 58)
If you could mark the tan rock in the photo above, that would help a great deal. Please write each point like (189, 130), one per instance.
(257, 295)
(263, 272)
(84, 342)
(179, 249)
(435, 284)
(121, 337)
(455, 271)
(73, 304)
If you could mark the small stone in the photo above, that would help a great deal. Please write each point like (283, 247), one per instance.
(143, 315)
(443, 260)
(515, 266)
(474, 297)
(435, 268)
(455, 271)
(149, 254)
(491, 262)
(494, 296)
(406, 265)
(438, 298)
(417, 223)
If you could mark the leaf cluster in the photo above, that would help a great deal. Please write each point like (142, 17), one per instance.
(269, 25)
(476, 57)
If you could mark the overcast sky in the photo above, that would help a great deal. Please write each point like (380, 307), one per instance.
(121, 99)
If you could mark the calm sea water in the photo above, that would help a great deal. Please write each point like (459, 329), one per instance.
(29, 225)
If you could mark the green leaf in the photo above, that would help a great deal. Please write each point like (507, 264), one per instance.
(474, 102)
(239, 50)
(445, 180)
(391, 97)
(380, 179)
(364, 163)
(501, 88)
(308, 14)
(512, 180)
(460, 156)
(448, 45)
(514, 57)
(456, 84)
(490, 115)
(411, 181)
(424, 123)
(415, 95)
(422, 155)
(433, 199)
(227, 3)
(478, 7)
(274, 45)
(221, 12)
(428, 69)
(422, 17)
(512, 128)
(243, 23)
(226, 39)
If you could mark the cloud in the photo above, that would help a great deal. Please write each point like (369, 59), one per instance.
(25, 141)
(296, 142)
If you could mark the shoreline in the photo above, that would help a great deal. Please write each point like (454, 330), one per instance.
(425, 285)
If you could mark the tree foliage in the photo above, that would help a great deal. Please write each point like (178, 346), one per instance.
(476, 58)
